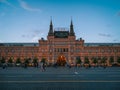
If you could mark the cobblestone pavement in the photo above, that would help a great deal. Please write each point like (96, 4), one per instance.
(61, 78)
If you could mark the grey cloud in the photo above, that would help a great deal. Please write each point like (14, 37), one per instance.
(104, 35)
(27, 7)
(36, 31)
(115, 40)
(28, 36)
(33, 35)
(25, 36)
(7, 3)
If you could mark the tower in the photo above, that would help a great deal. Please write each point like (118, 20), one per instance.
(71, 29)
(50, 33)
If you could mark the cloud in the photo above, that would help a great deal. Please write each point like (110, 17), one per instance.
(115, 40)
(36, 32)
(7, 3)
(27, 7)
(34, 35)
(104, 35)
(23, 36)
(35, 39)
(27, 36)
(31, 34)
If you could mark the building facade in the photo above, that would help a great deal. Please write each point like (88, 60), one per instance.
(62, 47)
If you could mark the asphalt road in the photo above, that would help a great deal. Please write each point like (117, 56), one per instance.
(61, 78)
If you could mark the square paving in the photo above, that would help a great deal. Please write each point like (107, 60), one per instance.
(61, 78)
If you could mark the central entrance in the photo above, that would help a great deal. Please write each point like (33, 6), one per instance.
(61, 61)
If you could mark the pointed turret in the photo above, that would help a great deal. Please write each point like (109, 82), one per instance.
(71, 29)
(50, 33)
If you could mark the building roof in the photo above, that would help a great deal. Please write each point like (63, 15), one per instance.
(101, 44)
(61, 34)
(19, 44)
(37, 44)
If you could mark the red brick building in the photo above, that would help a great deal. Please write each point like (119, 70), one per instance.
(62, 47)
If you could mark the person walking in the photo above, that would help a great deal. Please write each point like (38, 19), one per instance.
(42, 66)
(4, 65)
(44, 69)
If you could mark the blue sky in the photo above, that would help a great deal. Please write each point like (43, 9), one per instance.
(28, 20)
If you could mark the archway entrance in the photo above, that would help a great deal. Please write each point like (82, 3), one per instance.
(61, 61)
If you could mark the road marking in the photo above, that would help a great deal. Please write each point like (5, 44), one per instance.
(113, 75)
(76, 72)
(59, 75)
(58, 81)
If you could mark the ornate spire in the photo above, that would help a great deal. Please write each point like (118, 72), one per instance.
(71, 29)
(50, 33)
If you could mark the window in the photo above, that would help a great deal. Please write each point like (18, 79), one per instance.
(64, 50)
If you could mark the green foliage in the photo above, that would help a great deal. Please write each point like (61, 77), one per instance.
(2, 60)
(111, 59)
(118, 60)
(103, 60)
(95, 60)
(78, 60)
(26, 60)
(86, 60)
(43, 60)
(35, 60)
(18, 60)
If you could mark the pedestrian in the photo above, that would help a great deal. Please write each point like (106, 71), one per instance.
(25, 65)
(37, 64)
(55, 65)
(41, 66)
(3, 66)
(69, 66)
(44, 67)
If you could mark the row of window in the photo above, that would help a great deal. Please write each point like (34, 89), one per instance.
(102, 50)
(61, 49)
(14, 51)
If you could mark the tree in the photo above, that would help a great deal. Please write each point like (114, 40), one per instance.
(26, 60)
(111, 60)
(118, 60)
(2, 60)
(18, 60)
(35, 61)
(103, 60)
(78, 60)
(10, 61)
(86, 60)
(94, 60)
(43, 60)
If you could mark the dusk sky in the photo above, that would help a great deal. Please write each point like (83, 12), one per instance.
(28, 20)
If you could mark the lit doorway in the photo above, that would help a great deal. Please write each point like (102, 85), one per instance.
(61, 61)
